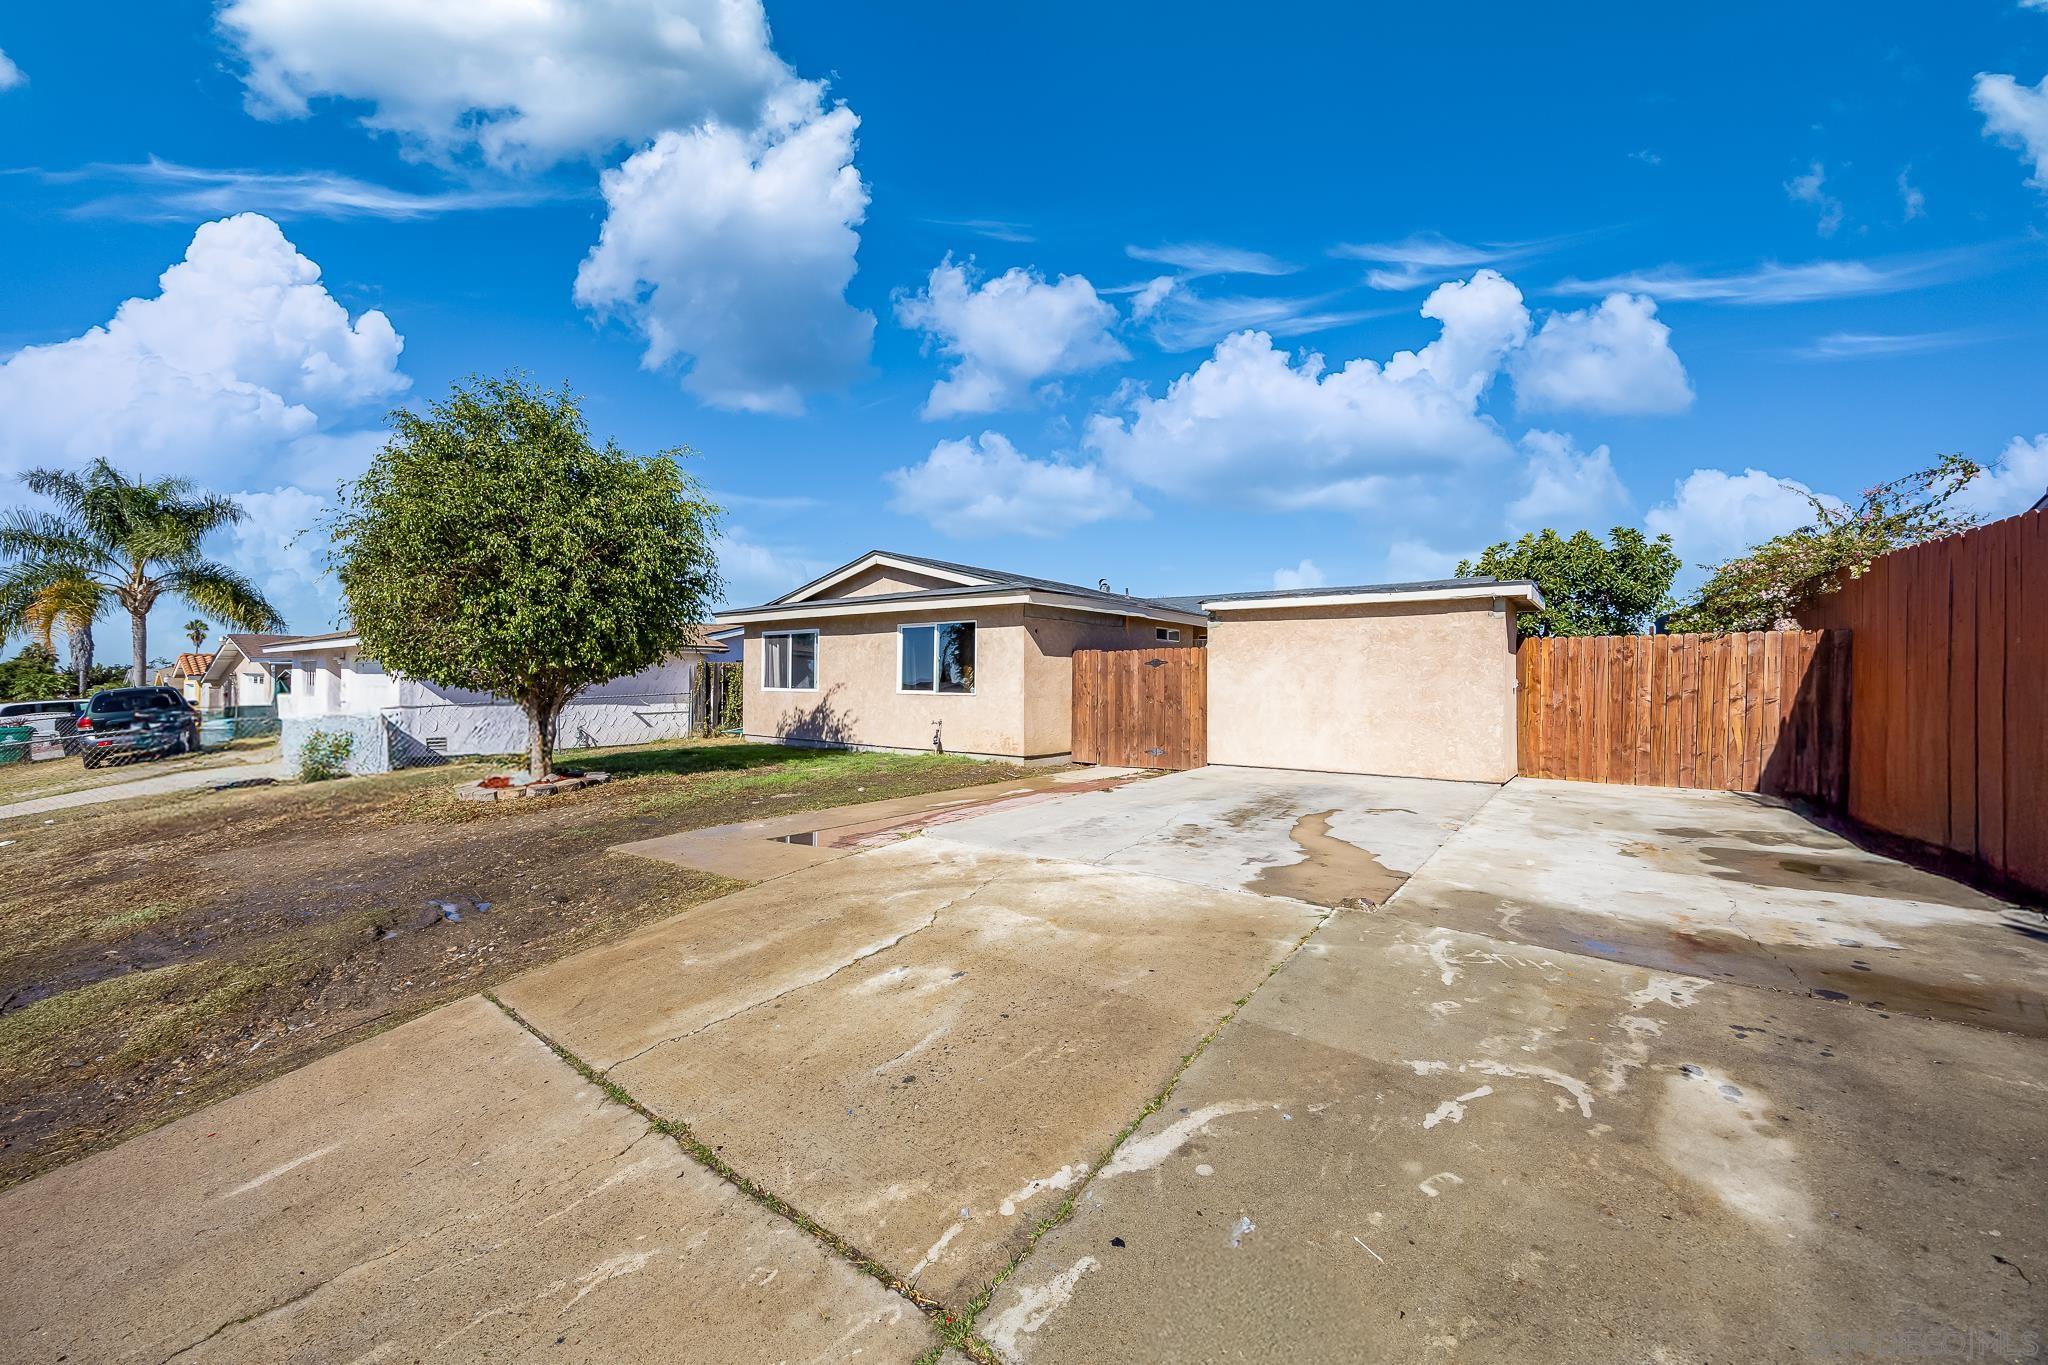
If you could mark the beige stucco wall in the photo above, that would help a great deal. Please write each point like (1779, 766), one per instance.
(1049, 666)
(1403, 690)
(880, 579)
(1021, 706)
(857, 701)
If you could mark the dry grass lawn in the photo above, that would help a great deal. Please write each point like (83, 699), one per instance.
(158, 955)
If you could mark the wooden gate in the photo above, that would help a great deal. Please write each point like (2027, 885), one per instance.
(1138, 708)
(1766, 711)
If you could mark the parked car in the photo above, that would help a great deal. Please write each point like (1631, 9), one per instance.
(136, 720)
(52, 721)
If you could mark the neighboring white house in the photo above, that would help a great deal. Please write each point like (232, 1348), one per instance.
(398, 721)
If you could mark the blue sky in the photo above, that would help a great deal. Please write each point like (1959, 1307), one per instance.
(1039, 287)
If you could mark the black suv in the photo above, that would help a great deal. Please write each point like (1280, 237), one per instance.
(123, 721)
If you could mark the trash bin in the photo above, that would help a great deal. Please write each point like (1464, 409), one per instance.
(14, 743)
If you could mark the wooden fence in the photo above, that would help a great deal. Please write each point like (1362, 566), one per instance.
(1765, 712)
(1141, 708)
(1949, 742)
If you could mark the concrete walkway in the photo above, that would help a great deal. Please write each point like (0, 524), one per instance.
(1150, 1114)
(146, 784)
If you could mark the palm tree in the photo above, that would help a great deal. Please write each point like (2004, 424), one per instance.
(195, 631)
(36, 598)
(137, 542)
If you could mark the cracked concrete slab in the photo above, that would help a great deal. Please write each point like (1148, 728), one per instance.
(1733, 887)
(1327, 838)
(757, 850)
(447, 1190)
(937, 1044)
(1416, 1143)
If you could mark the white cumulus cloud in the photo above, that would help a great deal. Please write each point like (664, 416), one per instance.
(525, 83)
(2016, 115)
(756, 571)
(1713, 515)
(2017, 481)
(1565, 488)
(1302, 575)
(969, 488)
(242, 367)
(734, 249)
(1004, 335)
(1251, 418)
(10, 74)
(1615, 357)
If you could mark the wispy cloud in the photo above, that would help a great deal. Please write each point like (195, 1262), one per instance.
(1811, 188)
(1426, 258)
(1647, 157)
(1772, 283)
(10, 74)
(996, 229)
(1184, 320)
(158, 190)
(728, 499)
(1862, 345)
(1196, 259)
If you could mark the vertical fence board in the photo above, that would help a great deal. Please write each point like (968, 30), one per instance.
(1758, 712)
(1947, 700)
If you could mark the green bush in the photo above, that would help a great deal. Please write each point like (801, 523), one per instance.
(324, 756)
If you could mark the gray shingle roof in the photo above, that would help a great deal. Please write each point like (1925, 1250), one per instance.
(996, 577)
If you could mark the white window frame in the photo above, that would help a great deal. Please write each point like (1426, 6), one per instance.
(934, 627)
(1166, 635)
(766, 686)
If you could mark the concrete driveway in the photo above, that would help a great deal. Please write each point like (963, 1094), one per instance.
(820, 1118)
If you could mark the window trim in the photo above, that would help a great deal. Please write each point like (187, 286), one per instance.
(811, 631)
(1166, 635)
(933, 627)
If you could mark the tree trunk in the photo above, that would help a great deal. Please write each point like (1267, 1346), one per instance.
(78, 640)
(138, 639)
(540, 740)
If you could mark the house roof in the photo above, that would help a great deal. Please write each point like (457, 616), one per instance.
(244, 645)
(971, 582)
(968, 581)
(1424, 590)
(191, 665)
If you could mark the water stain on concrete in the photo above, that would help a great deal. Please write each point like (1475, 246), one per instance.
(1331, 872)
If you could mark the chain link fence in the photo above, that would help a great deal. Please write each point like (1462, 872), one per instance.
(43, 732)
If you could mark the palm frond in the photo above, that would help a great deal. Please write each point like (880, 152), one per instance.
(222, 594)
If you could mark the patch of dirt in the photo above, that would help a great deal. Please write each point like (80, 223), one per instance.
(152, 960)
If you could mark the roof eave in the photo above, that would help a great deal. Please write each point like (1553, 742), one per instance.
(995, 596)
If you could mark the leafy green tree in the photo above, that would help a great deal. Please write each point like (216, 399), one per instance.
(493, 546)
(32, 675)
(1588, 588)
(1764, 587)
(138, 542)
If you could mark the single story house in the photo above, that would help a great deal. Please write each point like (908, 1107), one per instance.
(185, 674)
(237, 677)
(896, 651)
(331, 686)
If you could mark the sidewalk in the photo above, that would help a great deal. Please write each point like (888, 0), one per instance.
(159, 784)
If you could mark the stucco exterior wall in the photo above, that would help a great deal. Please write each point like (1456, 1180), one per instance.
(879, 580)
(857, 701)
(1049, 666)
(1022, 706)
(333, 689)
(1401, 690)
